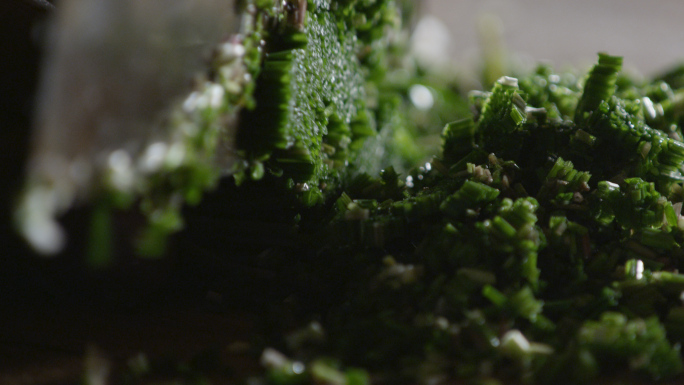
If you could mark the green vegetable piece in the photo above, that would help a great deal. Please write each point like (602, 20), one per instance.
(600, 85)
(324, 372)
(469, 196)
(501, 119)
(494, 295)
(458, 139)
(639, 343)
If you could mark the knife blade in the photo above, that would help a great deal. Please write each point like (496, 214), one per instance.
(114, 69)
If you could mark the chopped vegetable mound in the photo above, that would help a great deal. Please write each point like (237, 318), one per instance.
(532, 243)
(543, 233)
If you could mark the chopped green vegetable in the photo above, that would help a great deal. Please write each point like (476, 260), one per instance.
(533, 242)
(545, 234)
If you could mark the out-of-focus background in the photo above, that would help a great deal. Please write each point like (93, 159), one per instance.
(649, 34)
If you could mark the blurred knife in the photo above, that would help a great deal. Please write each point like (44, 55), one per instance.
(114, 69)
